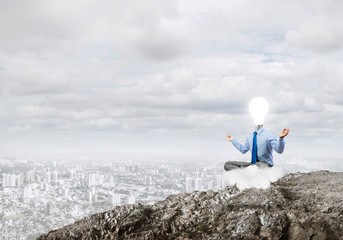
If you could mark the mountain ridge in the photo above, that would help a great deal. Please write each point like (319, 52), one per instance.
(297, 206)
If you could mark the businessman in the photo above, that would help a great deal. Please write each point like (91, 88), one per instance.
(261, 143)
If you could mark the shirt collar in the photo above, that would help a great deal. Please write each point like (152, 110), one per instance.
(259, 131)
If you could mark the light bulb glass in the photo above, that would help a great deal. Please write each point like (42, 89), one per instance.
(258, 108)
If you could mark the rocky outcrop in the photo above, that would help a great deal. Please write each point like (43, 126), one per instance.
(297, 206)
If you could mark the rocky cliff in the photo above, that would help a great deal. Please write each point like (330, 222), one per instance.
(297, 206)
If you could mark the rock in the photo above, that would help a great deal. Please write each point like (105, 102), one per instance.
(297, 206)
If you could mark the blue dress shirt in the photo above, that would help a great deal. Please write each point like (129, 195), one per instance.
(266, 142)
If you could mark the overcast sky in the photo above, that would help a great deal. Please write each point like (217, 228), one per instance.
(168, 78)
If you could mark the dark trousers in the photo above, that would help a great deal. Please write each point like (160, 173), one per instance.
(230, 165)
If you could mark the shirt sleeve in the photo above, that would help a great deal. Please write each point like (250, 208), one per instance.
(278, 145)
(242, 148)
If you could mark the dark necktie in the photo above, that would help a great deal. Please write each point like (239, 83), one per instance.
(254, 150)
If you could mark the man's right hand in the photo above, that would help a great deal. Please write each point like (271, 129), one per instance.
(229, 137)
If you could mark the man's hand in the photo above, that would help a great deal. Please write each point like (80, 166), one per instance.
(284, 132)
(230, 137)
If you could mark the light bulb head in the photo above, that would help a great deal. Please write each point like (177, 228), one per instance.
(258, 108)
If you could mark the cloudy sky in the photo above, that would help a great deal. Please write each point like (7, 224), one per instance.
(168, 78)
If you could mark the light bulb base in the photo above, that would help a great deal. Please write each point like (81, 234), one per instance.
(259, 126)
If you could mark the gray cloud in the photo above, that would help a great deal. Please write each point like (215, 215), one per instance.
(163, 47)
(168, 69)
(150, 28)
(37, 82)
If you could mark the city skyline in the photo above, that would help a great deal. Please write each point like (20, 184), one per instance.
(168, 79)
(38, 196)
(41, 195)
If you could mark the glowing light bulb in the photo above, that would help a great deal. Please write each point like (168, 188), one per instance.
(258, 108)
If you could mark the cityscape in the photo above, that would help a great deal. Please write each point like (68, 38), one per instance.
(38, 196)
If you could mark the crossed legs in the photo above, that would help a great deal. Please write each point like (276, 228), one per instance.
(230, 165)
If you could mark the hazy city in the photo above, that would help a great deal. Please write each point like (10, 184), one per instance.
(38, 196)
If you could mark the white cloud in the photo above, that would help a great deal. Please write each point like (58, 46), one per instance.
(319, 28)
(169, 67)
(252, 177)
(321, 36)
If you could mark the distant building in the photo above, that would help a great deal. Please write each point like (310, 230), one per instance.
(48, 177)
(36, 193)
(20, 179)
(198, 184)
(12, 180)
(219, 182)
(65, 192)
(52, 209)
(27, 193)
(45, 186)
(114, 199)
(90, 197)
(54, 177)
(189, 184)
(92, 179)
(197, 175)
(29, 176)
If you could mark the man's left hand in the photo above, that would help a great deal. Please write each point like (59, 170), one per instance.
(284, 132)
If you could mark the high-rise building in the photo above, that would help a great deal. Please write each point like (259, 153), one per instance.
(219, 182)
(52, 209)
(114, 199)
(29, 176)
(36, 193)
(189, 184)
(90, 197)
(27, 193)
(100, 179)
(92, 179)
(197, 175)
(197, 184)
(5, 180)
(11, 180)
(20, 179)
(54, 176)
(48, 177)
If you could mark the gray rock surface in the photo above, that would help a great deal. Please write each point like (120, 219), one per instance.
(297, 206)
